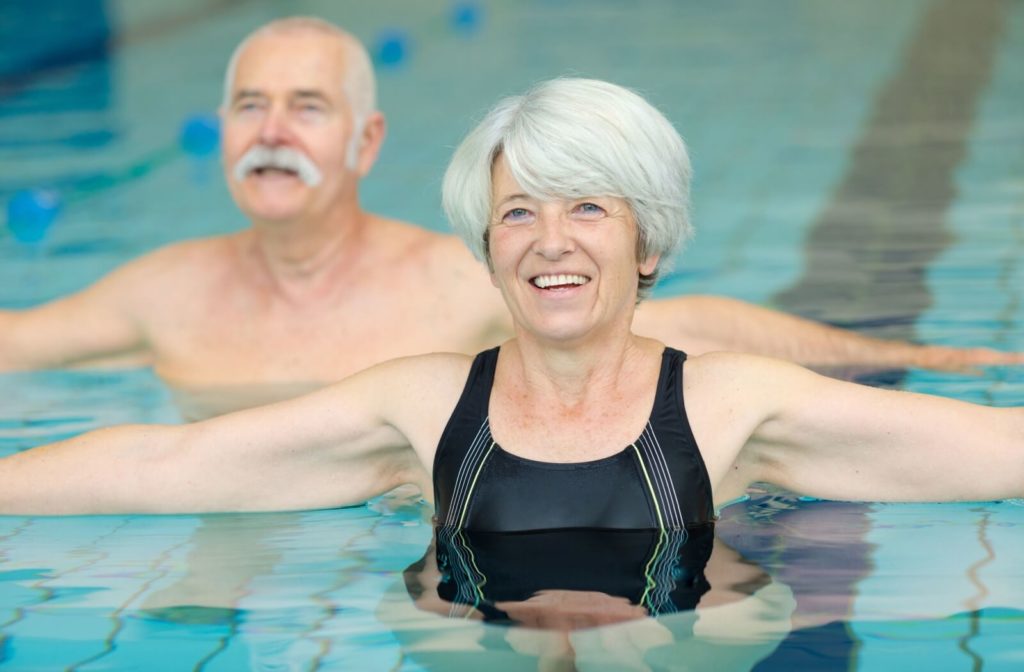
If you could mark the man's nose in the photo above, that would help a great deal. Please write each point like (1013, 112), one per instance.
(274, 129)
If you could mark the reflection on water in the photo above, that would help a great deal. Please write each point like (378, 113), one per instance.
(639, 599)
(782, 584)
(566, 579)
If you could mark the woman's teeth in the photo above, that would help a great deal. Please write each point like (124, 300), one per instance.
(547, 281)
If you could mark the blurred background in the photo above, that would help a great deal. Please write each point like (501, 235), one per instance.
(860, 163)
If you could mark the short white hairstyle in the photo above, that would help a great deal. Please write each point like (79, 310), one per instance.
(571, 138)
(359, 85)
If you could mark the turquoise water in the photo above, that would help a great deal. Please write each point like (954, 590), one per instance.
(889, 132)
(827, 586)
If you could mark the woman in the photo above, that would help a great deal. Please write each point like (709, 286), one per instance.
(573, 194)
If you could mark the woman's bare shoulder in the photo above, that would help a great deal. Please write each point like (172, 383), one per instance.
(424, 380)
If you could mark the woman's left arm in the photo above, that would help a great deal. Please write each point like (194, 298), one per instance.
(838, 440)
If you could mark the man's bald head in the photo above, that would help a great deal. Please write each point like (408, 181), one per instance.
(359, 84)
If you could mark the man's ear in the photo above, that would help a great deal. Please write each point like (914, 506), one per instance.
(370, 141)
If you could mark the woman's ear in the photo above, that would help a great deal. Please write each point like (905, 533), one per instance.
(648, 265)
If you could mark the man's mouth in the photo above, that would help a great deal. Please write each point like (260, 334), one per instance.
(561, 281)
(274, 171)
(275, 162)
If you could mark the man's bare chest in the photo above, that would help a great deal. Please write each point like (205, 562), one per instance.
(241, 342)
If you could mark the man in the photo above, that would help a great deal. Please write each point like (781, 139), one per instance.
(318, 288)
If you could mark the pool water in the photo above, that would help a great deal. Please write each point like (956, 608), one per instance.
(856, 162)
(822, 586)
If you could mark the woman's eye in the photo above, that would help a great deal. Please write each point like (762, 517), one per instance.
(590, 209)
(516, 215)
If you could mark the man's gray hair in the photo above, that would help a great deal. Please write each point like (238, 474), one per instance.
(571, 138)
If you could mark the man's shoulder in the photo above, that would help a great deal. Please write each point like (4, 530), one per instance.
(425, 249)
(193, 248)
(402, 234)
(447, 251)
(167, 272)
(186, 257)
(439, 273)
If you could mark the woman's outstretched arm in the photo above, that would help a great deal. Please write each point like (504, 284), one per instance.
(338, 446)
(758, 419)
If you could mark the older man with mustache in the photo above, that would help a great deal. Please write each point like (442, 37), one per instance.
(318, 288)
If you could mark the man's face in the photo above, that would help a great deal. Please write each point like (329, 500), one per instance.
(288, 96)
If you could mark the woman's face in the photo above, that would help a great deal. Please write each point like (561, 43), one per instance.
(566, 267)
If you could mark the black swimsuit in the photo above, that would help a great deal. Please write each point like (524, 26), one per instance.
(660, 570)
(658, 482)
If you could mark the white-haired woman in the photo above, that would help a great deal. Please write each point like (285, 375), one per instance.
(573, 194)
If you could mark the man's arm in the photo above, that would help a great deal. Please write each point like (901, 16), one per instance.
(96, 323)
(334, 447)
(698, 324)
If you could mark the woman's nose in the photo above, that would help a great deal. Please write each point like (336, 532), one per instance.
(554, 237)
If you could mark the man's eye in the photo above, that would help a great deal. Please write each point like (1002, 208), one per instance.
(248, 106)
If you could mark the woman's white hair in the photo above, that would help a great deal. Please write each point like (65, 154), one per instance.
(570, 138)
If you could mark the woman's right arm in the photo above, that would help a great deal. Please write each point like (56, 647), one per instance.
(338, 446)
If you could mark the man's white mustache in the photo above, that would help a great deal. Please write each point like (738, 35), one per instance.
(281, 158)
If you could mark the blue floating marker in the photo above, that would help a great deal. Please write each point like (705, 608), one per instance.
(31, 212)
(466, 17)
(200, 134)
(391, 48)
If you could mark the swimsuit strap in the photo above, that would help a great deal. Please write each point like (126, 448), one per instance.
(457, 461)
